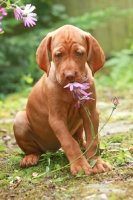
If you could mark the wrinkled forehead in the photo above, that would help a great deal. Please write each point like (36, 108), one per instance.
(68, 37)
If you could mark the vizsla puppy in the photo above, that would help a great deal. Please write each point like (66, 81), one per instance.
(51, 119)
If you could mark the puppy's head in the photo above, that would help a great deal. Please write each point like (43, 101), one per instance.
(70, 48)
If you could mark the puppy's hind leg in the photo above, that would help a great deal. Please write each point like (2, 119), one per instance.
(25, 140)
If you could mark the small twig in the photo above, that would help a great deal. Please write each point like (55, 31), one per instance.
(16, 185)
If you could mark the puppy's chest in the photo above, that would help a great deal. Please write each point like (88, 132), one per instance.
(73, 116)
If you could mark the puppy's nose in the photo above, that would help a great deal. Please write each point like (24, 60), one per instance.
(70, 76)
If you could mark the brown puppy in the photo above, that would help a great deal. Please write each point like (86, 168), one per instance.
(51, 119)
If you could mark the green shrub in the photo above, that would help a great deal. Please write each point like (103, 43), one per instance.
(117, 72)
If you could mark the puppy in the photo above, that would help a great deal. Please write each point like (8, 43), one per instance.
(51, 119)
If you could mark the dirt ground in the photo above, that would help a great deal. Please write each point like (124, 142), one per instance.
(40, 182)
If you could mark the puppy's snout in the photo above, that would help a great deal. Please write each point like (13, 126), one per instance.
(70, 76)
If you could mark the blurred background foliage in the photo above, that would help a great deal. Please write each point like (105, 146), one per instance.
(117, 72)
(18, 69)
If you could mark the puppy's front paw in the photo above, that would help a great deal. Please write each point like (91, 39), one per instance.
(29, 160)
(80, 164)
(101, 166)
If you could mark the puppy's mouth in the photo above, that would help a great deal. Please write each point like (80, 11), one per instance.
(70, 77)
(64, 82)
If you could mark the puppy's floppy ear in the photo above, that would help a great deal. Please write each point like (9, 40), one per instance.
(96, 56)
(42, 57)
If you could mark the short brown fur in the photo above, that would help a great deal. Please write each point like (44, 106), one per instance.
(51, 119)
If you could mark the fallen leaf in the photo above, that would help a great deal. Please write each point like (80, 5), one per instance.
(34, 174)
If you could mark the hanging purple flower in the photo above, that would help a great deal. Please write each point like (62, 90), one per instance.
(17, 12)
(2, 11)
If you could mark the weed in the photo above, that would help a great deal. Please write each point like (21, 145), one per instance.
(116, 139)
(2, 148)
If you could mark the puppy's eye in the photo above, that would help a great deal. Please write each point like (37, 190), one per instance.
(58, 54)
(79, 53)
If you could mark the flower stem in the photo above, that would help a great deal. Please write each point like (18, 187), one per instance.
(113, 108)
(8, 4)
(88, 114)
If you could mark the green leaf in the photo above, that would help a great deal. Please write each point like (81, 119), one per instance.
(92, 163)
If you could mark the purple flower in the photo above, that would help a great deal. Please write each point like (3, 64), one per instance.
(78, 91)
(74, 85)
(115, 101)
(83, 99)
(130, 164)
(1, 30)
(2, 11)
(28, 17)
(17, 11)
(78, 88)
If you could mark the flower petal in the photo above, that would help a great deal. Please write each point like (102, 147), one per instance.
(66, 86)
(31, 9)
(32, 14)
(83, 92)
(17, 12)
(29, 19)
(28, 8)
(78, 104)
(77, 84)
(71, 87)
(2, 11)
